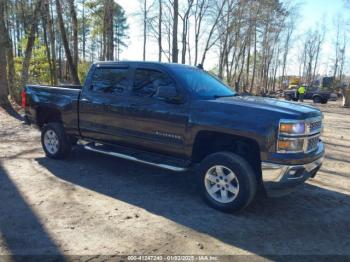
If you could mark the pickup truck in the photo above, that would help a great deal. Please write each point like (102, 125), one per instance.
(182, 118)
(313, 93)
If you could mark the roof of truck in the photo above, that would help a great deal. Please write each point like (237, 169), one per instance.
(125, 62)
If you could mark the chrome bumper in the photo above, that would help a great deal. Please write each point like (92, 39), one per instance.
(281, 179)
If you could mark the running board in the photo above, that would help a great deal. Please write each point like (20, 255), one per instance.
(135, 159)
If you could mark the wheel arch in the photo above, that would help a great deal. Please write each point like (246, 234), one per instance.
(45, 115)
(317, 95)
(209, 142)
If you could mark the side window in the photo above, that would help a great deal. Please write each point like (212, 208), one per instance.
(311, 88)
(147, 82)
(110, 80)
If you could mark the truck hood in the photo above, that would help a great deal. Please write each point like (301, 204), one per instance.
(292, 110)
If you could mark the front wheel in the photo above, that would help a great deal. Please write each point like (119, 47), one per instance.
(54, 140)
(227, 181)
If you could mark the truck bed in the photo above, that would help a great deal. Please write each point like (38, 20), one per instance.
(44, 100)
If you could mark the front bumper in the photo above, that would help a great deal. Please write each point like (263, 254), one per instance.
(281, 179)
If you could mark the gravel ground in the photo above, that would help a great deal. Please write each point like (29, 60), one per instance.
(92, 204)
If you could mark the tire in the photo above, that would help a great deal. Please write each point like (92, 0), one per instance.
(240, 190)
(288, 97)
(316, 99)
(54, 141)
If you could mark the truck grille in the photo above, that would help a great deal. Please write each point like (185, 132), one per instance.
(312, 143)
(315, 125)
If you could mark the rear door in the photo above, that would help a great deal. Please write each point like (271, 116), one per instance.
(103, 102)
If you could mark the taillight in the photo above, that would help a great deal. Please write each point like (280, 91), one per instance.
(24, 98)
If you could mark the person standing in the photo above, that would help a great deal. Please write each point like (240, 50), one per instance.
(301, 92)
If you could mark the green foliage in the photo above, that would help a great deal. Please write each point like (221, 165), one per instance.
(39, 69)
(83, 69)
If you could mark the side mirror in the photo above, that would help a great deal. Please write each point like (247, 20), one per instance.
(169, 94)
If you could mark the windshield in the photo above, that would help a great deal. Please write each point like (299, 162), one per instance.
(204, 85)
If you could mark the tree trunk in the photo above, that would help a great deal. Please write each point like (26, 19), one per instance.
(346, 97)
(160, 31)
(108, 30)
(208, 44)
(185, 32)
(3, 73)
(30, 44)
(144, 29)
(83, 29)
(254, 62)
(11, 65)
(175, 26)
(72, 67)
(73, 15)
(48, 53)
(199, 14)
(51, 40)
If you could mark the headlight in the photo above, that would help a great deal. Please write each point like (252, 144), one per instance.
(296, 136)
(290, 145)
(294, 128)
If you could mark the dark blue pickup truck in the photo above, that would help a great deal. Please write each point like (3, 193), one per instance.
(182, 118)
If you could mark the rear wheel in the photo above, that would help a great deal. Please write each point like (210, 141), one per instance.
(227, 181)
(316, 99)
(288, 97)
(55, 142)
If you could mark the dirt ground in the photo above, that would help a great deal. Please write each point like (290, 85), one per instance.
(92, 204)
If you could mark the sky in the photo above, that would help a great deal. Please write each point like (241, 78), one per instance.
(313, 13)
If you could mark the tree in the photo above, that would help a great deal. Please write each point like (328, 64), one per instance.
(121, 30)
(210, 42)
(49, 23)
(108, 29)
(290, 26)
(3, 72)
(73, 69)
(160, 20)
(201, 8)
(175, 52)
(185, 25)
(30, 43)
(73, 15)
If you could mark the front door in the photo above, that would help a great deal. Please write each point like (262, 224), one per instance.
(156, 124)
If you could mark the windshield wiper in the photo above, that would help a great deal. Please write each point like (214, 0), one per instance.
(218, 96)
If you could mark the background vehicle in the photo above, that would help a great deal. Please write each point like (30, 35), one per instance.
(180, 118)
(314, 93)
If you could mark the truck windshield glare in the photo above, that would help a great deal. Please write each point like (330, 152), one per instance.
(204, 85)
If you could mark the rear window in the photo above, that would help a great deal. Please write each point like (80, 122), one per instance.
(110, 80)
